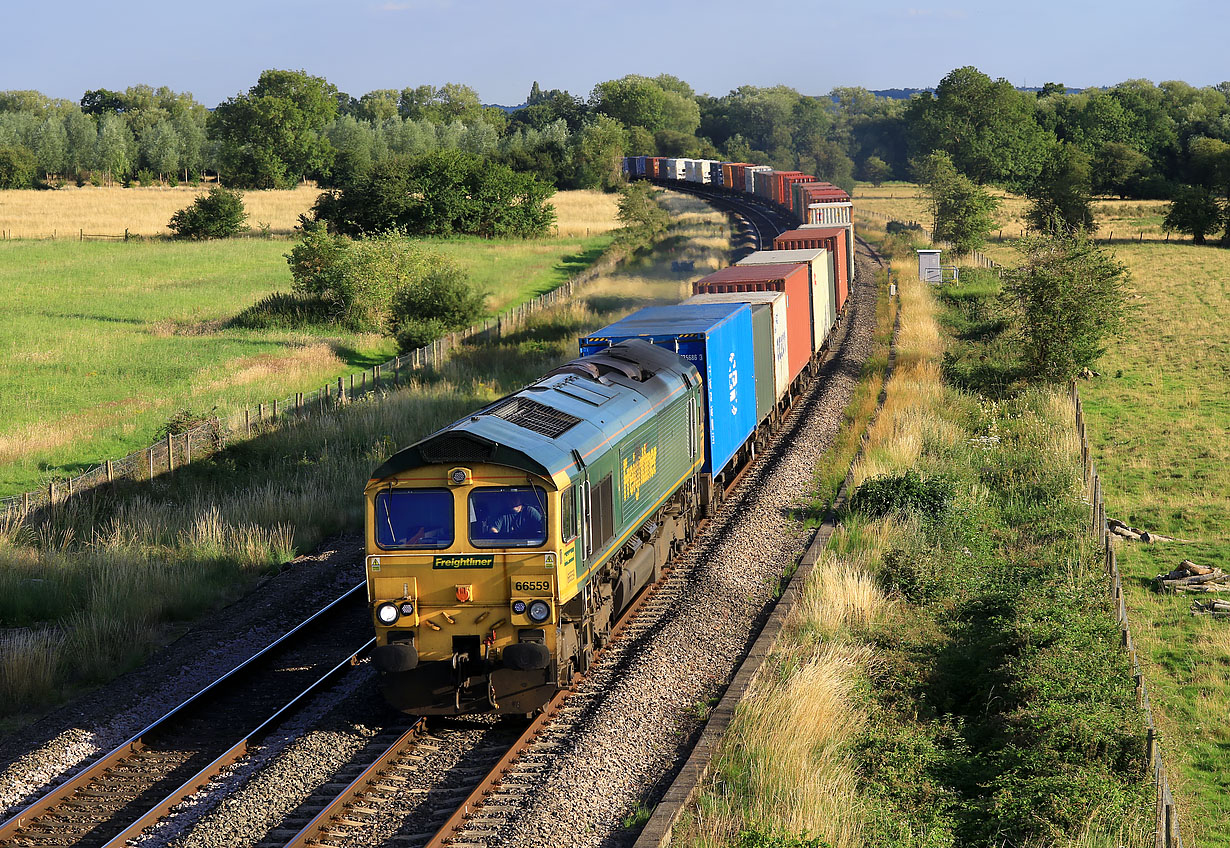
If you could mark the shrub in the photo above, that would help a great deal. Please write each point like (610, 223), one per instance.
(355, 278)
(1068, 298)
(146, 177)
(906, 492)
(17, 167)
(442, 302)
(218, 214)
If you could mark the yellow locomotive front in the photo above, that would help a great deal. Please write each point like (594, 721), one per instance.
(463, 579)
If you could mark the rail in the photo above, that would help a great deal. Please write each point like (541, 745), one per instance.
(136, 747)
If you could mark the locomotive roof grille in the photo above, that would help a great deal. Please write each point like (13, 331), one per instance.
(457, 447)
(535, 416)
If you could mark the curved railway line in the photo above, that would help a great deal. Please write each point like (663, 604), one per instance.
(457, 781)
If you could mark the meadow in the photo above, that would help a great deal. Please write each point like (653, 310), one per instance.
(144, 211)
(99, 586)
(1158, 417)
(1117, 220)
(104, 341)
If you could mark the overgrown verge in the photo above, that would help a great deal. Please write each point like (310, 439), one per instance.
(103, 582)
(953, 674)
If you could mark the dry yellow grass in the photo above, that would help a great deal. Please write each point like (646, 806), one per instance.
(66, 212)
(1121, 220)
(585, 213)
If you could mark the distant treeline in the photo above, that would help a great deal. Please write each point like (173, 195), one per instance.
(1140, 139)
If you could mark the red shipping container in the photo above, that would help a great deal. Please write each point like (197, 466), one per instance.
(788, 183)
(833, 239)
(791, 279)
(654, 167)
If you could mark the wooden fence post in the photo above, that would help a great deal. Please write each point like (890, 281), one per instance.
(150, 451)
(188, 448)
(247, 422)
(170, 453)
(341, 390)
(275, 410)
(110, 472)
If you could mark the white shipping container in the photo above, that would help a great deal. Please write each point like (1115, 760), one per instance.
(750, 173)
(675, 168)
(823, 284)
(777, 303)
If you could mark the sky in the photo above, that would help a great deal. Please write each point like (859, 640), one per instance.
(217, 50)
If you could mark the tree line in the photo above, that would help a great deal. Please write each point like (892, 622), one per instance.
(1133, 140)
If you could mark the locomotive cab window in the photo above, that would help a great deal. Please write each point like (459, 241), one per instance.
(568, 514)
(414, 518)
(508, 517)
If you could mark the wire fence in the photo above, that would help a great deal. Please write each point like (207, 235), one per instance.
(208, 437)
(1167, 833)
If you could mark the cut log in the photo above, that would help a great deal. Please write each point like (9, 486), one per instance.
(1196, 569)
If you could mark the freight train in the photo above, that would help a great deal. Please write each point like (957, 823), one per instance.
(501, 550)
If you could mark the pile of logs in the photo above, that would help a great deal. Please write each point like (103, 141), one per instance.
(1218, 608)
(1125, 531)
(1190, 577)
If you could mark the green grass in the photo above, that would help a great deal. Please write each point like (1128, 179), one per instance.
(1158, 419)
(103, 342)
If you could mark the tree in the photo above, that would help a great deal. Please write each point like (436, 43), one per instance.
(441, 193)
(987, 127)
(1069, 298)
(218, 214)
(443, 301)
(1061, 195)
(962, 212)
(160, 148)
(634, 101)
(116, 147)
(1116, 167)
(273, 135)
(599, 151)
(876, 170)
(1194, 211)
(17, 167)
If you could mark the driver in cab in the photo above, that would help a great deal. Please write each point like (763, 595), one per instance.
(523, 520)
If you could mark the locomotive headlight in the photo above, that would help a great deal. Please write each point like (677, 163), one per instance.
(386, 613)
(519, 607)
(540, 611)
(407, 607)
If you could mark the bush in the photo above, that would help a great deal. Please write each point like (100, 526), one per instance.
(355, 278)
(442, 302)
(1068, 298)
(17, 167)
(218, 214)
(146, 177)
(906, 492)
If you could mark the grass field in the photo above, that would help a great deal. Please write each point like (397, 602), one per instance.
(65, 213)
(1117, 220)
(99, 586)
(1159, 420)
(104, 341)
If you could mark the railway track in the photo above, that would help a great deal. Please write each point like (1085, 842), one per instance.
(121, 794)
(351, 816)
(763, 221)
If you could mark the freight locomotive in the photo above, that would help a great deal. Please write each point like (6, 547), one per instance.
(502, 549)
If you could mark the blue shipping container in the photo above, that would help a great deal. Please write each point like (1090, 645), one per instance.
(717, 339)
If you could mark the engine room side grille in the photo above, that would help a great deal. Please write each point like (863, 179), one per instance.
(456, 448)
(535, 416)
